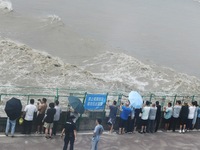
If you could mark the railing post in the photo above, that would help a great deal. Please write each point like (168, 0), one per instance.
(119, 98)
(163, 102)
(151, 97)
(104, 114)
(28, 99)
(174, 99)
(193, 98)
(57, 95)
(79, 120)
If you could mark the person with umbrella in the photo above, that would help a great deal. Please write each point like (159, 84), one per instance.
(136, 103)
(77, 106)
(13, 110)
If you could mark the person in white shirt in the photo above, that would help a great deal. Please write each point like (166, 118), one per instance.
(56, 116)
(145, 116)
(191, 114)
(29, 111)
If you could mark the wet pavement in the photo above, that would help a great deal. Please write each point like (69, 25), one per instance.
(135, 141)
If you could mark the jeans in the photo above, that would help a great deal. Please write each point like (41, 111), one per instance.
(95, 141)
(12, 124)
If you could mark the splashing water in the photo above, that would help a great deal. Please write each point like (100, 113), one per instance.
(6, 5)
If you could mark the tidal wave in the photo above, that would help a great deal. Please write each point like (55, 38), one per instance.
(24, 66)
(6, 5)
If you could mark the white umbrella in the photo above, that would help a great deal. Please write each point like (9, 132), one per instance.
(135, 99)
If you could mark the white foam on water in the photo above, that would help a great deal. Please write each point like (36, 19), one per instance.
(121, 68)
(6, 5)
(24, 66)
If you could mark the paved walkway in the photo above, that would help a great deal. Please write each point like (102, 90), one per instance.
(136, 141)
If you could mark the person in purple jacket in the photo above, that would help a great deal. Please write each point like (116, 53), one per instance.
(125, 112)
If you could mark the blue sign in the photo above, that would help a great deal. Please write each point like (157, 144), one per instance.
(95, 101)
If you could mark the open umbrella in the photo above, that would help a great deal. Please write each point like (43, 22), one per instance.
(13, 108)
(135, 99)
(76, 104)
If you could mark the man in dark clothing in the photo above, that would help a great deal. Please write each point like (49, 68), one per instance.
(70, 133)
(183, 117)
(158, 116)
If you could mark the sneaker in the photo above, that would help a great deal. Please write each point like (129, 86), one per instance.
(183, 130)
(180, 131)
(140, 132)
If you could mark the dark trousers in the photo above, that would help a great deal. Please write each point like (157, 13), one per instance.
(151, 125)
(198, 123)
(55, 123)
(27, 127)
(189, 124)
(66, 142)
(130, 124)
(175, 121)
(157, 123)
(137, 119)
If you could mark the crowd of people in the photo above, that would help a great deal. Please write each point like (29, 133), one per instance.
(46, 118)
(184, 117)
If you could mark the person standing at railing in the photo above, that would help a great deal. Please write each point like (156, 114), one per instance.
(144, 117)
(29, 112)
(152, 117)
(112, 115)
(167, 115)
(195, 114)
(56, 116)
(191, 114)
(175, 115)
(48, 120)
(42, 106)
(183, 117)
(125, 112)
(158, 116)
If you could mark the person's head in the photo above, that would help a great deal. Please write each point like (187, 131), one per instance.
(98, 121)
(44, 100)
(185, 104)
(32, 101)
(157, 103)
(178, 102)
(153, 105)
(195, 103)
(147, 103)
(57, 102)
(127, 103)
(169, 104)
(51, 105)
(114, 102)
